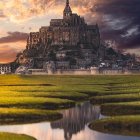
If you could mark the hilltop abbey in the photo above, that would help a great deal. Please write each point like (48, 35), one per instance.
(67, 42)
(70, 44)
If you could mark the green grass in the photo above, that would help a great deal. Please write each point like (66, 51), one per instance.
(11, 136)
(116, 98)
(63, 95)
(122, 125)
(35, 102)
(25, 98)
(16, 116)
(120, 101)
(115, 109)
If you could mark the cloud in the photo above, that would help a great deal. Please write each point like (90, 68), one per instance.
(2, 16)
(11, 44)
(8, 51)
(2, 32)
(21, 10)
(7, 54)
(120, 22)
(14, 37)
(118, 19)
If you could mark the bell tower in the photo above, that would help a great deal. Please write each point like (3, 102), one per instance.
(67, 11)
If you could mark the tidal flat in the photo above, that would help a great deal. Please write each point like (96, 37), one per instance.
(31, 99)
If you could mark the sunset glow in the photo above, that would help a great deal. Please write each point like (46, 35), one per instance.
(118, 21)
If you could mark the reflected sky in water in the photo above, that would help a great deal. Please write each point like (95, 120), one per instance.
(73, 126)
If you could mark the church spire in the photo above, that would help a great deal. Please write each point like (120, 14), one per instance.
(67, 11)
(67, 2)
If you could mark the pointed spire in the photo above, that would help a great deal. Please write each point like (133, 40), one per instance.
(67, 2)
(67, 10)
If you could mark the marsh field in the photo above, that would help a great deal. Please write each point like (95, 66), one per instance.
(100, 104)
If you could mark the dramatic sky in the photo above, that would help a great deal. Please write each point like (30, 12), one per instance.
(119, 22)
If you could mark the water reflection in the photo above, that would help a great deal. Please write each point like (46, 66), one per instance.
(73, 126)
(75, 119)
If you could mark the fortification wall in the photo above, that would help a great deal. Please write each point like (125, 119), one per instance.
(73, 72)
(86, 72)
(111, 71)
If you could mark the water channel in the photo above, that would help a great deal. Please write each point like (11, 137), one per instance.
(73, 126)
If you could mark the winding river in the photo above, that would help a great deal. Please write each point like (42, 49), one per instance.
(73, 126)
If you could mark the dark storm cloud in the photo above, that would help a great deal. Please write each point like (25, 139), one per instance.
(120, 21)
(14, 37)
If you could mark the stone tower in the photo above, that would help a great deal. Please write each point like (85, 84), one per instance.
(67, 11)
(70, 42)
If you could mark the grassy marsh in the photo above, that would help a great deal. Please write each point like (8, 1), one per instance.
(122, 125)
(11, 136)
(40, 97)
(124, 108)
(116, 98)
(21, 116)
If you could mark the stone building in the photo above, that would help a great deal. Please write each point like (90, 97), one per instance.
(70, 31)
(67, 37)
(5, 68)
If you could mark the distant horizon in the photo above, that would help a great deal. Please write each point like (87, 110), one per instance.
(118, 22)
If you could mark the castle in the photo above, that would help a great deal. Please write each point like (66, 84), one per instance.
(68, 43)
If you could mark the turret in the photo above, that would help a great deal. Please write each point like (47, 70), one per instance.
(67, 11)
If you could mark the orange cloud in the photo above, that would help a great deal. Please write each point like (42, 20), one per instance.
(11, 44)
(8, 51)
(7, 54)
(23, 10)
(17, 11)
(14, 37)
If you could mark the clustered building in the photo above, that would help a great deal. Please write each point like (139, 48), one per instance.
(5, 68)
(70, 43)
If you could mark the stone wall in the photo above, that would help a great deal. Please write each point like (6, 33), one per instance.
(73, 72)
(111, 71)
(84, 72)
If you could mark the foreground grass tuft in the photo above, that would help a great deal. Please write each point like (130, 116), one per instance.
(11, 136)
(20, 116)
(124, 108)
(122, 125)
(35, 102)
(116, 98)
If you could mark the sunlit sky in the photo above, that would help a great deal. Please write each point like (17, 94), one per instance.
(119, 21)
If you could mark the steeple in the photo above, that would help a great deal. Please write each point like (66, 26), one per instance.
(67, 11)
(67, 2)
